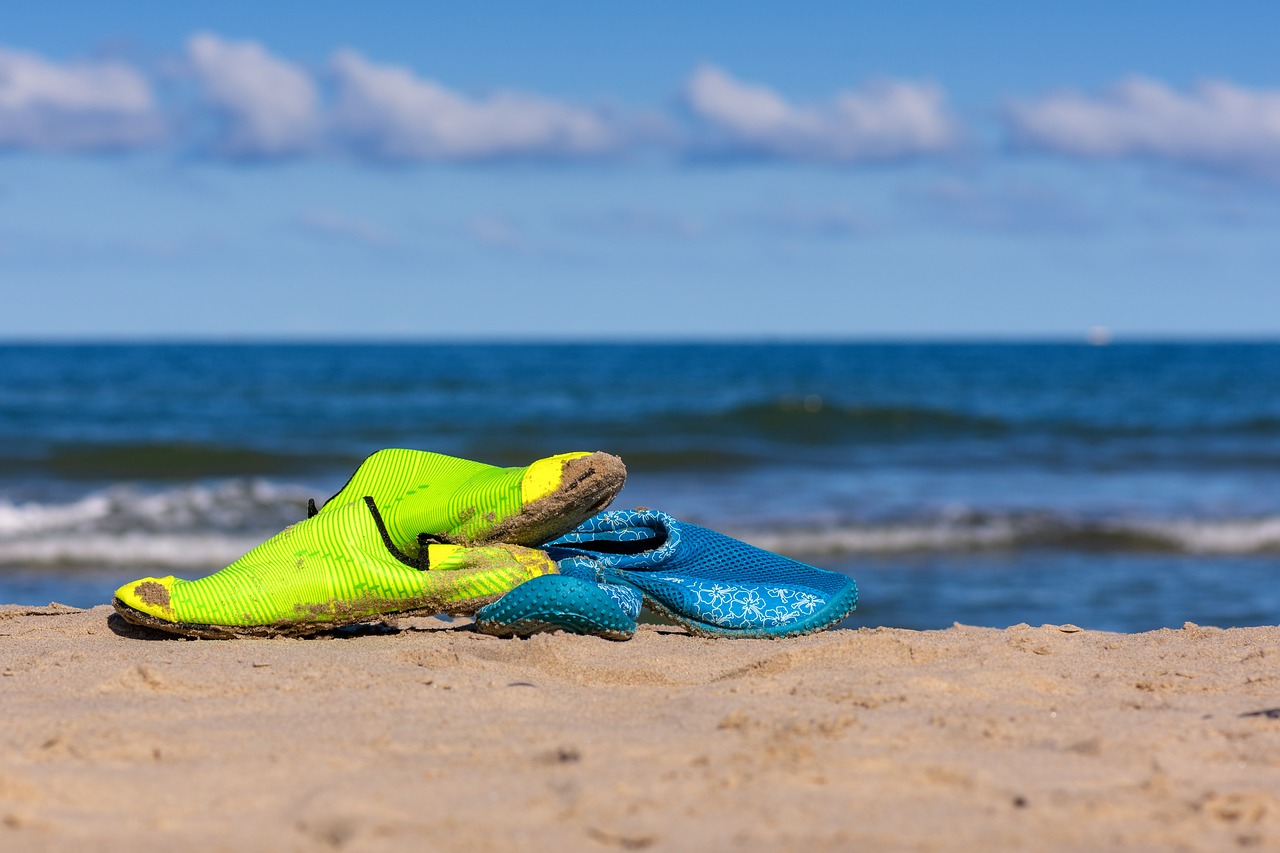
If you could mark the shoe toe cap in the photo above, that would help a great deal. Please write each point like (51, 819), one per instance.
(152, 596)
(544, 477)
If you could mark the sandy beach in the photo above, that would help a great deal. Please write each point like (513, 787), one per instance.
(967, 738)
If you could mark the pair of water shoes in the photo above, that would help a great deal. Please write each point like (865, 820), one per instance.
(523, 549)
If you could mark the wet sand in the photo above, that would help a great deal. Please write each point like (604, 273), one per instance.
(963, 739)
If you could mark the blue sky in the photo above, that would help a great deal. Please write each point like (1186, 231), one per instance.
(638, 170)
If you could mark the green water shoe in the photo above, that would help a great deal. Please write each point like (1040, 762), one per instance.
(340, 567)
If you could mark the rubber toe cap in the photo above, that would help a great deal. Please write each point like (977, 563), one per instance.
(544, 477)
(152, 596)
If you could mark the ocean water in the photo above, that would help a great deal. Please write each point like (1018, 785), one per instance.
(1125, 488)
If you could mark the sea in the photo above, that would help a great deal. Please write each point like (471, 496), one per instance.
(1127, 487)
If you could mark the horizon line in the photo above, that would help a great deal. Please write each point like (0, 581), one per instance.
(1083, 339)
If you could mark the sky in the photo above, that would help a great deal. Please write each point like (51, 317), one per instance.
(625, 170)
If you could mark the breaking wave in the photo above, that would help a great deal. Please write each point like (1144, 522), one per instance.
(207, 526)
(187, 526)
(1256, 535)
(161, 461)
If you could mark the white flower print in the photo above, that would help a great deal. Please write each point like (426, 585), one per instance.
(747, 606)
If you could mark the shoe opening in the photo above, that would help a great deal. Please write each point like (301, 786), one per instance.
(653, 539)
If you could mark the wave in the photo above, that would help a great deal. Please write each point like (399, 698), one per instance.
(816, 417)
(145, 550)
(173, 461)
(812, 420)
(755, 429)
(748, 434)
(1255, 535)
(186, 526)
(207, 526)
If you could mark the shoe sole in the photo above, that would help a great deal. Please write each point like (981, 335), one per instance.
(283, 629)
(525, 628)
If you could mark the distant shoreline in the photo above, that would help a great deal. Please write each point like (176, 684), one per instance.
(1120, 338)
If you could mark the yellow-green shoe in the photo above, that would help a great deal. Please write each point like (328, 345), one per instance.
(465, 502)
(338, 568)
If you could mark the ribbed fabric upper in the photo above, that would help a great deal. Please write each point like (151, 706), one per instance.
(421, 492)
(337, 564)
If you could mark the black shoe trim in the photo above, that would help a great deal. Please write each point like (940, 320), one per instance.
(386, 538)
(425, 541)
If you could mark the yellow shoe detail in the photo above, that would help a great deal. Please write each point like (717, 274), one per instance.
(490, 558)
(439, 555)
(533, 560)
(152, 596)
(543, 477)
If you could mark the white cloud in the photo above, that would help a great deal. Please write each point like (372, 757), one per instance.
(271, 106)
(884, 120)
(87, 106)
(388, 112)
(1216, 124)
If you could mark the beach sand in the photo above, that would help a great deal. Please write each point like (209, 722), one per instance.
(433, 736)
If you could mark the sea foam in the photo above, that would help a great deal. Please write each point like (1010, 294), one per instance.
(186, 526)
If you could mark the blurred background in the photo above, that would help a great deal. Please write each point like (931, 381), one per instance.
(977, 305)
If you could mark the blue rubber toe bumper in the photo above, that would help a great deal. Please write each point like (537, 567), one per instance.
(557, 603)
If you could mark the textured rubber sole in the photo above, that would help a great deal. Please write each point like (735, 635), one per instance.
(281, 629)
(835, 610)
(555, 603)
